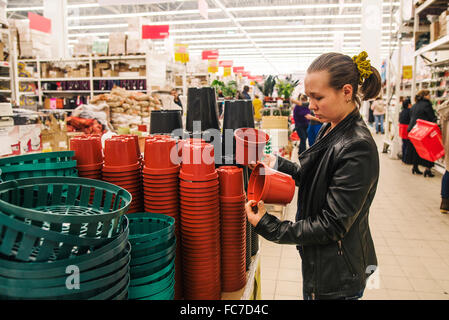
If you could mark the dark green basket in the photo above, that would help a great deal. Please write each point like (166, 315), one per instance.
(38, 165)
(167, 294)
(145, 270)
(155, 287)
(148, 227)
(90, 210)
(95, 259)
(100, 288)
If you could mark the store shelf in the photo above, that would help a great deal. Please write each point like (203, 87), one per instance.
(27, 79)
(120, 78)
(5, 78)
(440, 44)
(4, 64)
(28, 94)
(65, 91)
(132, 57)
(5, 91)
(64, 79)
(431, 4)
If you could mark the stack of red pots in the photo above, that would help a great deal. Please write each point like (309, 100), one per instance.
(160, 189)
(88, 155)
(233, 228)
(135, 138)
(122, 168)
(200, 222)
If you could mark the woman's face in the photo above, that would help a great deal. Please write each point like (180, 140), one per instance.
(328, 104)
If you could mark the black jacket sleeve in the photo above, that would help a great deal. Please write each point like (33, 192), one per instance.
(430, 113)
(354, 176)
(288, 167)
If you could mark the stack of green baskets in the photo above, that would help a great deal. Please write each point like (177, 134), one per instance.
(46, 234)
(38, 165)
(153, 242)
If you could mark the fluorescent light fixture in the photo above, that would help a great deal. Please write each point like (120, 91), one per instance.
(36, 8)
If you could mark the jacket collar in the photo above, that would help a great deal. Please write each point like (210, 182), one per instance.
(324, 142)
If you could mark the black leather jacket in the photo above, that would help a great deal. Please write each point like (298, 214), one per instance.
(421, 110)
(337, 179)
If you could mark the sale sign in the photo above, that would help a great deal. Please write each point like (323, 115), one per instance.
(226, 63)
(238, 69)
(39, 23)
(155, 32)
(210, 54)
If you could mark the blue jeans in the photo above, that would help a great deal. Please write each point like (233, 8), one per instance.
(356, 297)
(379, 119)
(445, 186)
(312, 133)
(302, 134)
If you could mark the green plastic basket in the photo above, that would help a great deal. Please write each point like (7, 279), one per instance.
(155, 287)
(99, 288)
(38, 165)
(142, 259)
(148, 227)
(70, 223)
(153, 276)
(86, 262)
(167, 294)
(145, 270)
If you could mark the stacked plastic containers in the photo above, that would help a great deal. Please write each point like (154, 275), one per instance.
(88, 155)
(122, 168)
(233, 228)
(200, 222)
(160, 188)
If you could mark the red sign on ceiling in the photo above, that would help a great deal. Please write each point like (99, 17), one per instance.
(155, 32)
(40, 23)
(238, 69)
(246, 74)
(210, 54)
(226, 63)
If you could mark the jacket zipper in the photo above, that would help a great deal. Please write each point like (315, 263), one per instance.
(341, 253)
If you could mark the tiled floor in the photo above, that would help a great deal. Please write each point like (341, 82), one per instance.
(411, 238)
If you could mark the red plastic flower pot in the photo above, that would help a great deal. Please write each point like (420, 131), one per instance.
(118, 174)
(427, 140)
(90, 167)
(196, 185)
(206, 192)
(89, 172)
(233, 200)
(161, 181)
(161, 172)
(161, 198)
(169, 194)
(198, 201)
(403, 133)
(161, 154)
(124, 180)
(120, 152)
(88, 150)
(249, 145)
(171, 185)
(198, 178)
(271, 186)
(231, 181)
(198, 162)
(135, 138)
(148, 177)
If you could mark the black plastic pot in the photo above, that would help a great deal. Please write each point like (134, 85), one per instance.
(165, 121)
(238, 114)
(202, 106)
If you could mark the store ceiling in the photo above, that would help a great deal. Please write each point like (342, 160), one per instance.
(265, 36)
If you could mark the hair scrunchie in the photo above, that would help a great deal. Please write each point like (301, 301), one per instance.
(363, 65)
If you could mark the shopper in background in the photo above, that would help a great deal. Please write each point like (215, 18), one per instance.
(245, 93)
(443, 111)
(378, 108)
(313, 129)
(404, 118)
(176, 99)
(422, 109)
(257, 105)
(337, 179)
(301, 122)
(370, 114)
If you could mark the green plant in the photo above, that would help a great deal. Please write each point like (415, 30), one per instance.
(286, 87)
(276, 112)
(268, 86)
(228, 90)
(266, 112)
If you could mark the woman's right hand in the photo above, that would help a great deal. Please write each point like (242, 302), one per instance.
(268, 159)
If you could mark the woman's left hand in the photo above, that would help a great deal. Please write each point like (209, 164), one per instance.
(253, 217)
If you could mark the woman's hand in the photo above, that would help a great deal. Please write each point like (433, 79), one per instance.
(254, 217)
(308, 117)
(268, 159)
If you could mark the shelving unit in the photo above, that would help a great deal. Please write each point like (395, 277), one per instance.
(434, 7)
(91, 61)
(4, 90)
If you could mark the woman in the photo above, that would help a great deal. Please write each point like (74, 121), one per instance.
(337, 179)
(404, 118)
(443, 111)
(176, 99)
(379, 114)
(422, 109)
(300, 112)
(257, 105)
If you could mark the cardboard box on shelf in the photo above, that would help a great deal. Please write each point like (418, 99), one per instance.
(106, 73)
(117, 43)
(54, 136)
(30, 138)
(97, 72)
(142, 71)
(274, 122)
(2, 47)
(100, 47)
(434, 31)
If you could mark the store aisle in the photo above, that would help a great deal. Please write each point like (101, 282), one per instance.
(411, 238)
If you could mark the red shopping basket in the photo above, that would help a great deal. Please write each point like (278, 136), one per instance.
(426, 138)
(403, 131)
(294, 136)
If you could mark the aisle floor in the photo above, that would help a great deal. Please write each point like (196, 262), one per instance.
(410, 234)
